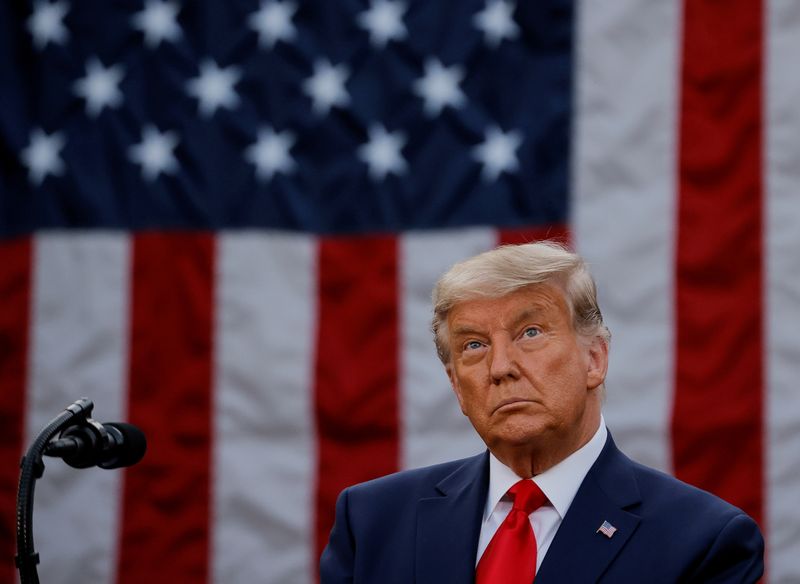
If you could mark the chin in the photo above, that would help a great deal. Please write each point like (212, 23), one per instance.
(520, 432)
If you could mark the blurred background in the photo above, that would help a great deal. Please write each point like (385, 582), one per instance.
(221, 221)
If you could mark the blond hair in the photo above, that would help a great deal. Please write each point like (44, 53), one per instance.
(508, 268)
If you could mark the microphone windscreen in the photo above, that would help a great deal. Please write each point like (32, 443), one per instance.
(133, 446)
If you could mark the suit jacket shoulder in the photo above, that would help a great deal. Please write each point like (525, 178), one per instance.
(664, 530)
(419, 525)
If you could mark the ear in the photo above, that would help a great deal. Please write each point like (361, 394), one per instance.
(455, 386)
(597, 363)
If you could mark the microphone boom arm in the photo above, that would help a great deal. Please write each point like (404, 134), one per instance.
(32, 468)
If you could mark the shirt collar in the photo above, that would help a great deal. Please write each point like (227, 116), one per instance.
(559, 483)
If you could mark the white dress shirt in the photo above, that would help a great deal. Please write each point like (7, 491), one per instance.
(559, 483)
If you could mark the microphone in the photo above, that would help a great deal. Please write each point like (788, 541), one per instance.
(90, 443)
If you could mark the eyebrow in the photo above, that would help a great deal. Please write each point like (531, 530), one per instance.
(465, 330)
(528, 313)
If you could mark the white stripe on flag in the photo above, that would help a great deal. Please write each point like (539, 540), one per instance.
(79, 347)
(624, 165)
(264, 460)
(433, 427)
(782, 166)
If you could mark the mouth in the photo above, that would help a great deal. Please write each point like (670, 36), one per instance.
(510, 403)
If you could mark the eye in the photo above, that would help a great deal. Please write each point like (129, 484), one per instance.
(472, 345)
(531, 332)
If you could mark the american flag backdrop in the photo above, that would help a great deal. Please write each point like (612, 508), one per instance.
(221, 221)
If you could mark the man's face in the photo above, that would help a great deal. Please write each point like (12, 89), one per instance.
(521, 373)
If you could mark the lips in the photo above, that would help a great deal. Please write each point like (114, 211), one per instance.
(510, 401)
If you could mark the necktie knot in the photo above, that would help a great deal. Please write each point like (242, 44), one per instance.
(527, 495)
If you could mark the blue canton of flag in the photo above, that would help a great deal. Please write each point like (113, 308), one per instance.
(319, 117)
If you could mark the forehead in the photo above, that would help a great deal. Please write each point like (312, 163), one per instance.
(540, 300)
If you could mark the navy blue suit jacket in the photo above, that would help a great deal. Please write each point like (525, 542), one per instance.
(422, 526)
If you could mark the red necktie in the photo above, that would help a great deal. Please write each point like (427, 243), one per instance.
(510, 557)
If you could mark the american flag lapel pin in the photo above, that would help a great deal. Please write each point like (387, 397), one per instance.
(606, 529)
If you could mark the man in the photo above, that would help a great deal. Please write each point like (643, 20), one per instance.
(523, 343)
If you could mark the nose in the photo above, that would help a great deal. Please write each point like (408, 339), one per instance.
(503, 360)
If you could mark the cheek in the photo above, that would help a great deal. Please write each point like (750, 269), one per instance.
(466, 384)
(564, 375)
(556, 365)
(473, 398)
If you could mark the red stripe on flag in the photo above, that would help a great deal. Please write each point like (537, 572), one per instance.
(717, 419)
(356, 368)
(15, 291)
(166, 507)
(558, 233)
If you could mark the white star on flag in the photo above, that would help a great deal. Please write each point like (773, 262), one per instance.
(270, 153)
(273, 22)
(159, 22)
(497, 22)
(438, 87)
(42, 155)
(154, 153)
(326, 88)
(382, 153)
(214, 87)
(46, 24)
(100, 87)
(497, 153)
(384, 21)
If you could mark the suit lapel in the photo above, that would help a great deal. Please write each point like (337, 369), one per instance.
(448, 526)
(608, 493)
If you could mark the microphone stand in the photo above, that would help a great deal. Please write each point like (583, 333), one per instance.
(32, 468)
